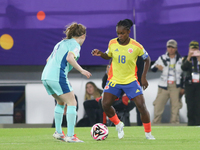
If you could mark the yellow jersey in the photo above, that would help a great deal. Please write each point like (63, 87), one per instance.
(123, 69)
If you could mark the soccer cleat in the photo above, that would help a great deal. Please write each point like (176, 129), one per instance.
(59, 136)
(119, 128)
(73, 139)
(149, 136)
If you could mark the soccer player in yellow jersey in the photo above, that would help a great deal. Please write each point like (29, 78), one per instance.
(122, 76)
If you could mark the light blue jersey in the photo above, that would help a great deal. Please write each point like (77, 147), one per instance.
(54, 75)
(57, 67)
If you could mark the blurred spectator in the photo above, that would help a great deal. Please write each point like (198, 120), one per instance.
(19, 116)
(92, 91)
(182, 92)
(169, 84)
(191, 68)
(93, 113)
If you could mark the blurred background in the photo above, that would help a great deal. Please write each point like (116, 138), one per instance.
(29, 29)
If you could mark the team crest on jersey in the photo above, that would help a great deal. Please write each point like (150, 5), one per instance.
(130, 50)
(106, 87)
(76, 51)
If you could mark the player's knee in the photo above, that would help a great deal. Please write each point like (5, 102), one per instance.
(71, 103)
(142, 109)
(106, 106)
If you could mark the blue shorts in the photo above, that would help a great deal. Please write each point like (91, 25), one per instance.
(54, 87)
(132, 89)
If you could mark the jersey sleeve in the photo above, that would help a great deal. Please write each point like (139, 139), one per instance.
(75, 49)
(145, 54)
(109, 51)
(142, 52)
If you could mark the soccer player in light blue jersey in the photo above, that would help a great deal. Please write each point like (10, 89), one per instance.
(54, 77)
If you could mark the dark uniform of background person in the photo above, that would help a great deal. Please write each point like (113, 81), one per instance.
(191, 68)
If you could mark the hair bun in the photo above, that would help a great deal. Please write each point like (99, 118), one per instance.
(129, 21)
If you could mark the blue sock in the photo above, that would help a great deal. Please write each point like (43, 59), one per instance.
(58, 115)
(71, 119)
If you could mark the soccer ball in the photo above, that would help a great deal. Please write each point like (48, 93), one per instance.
(99, 131)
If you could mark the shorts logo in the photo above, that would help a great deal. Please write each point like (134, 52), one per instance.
(106, 87)
(137, 91)
(130, 50)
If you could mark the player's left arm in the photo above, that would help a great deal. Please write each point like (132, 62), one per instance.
(147, 62)
(144, 74)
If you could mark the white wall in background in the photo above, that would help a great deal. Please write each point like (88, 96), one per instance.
(40, 106)
(6, 112)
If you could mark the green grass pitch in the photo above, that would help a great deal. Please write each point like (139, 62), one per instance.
(167, 138)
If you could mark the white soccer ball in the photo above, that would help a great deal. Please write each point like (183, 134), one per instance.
(99, 131)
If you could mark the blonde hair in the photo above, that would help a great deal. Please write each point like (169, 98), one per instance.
(74, 30)
(97, 91)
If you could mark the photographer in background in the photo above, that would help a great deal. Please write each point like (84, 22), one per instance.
(169, 86)
(191, 68)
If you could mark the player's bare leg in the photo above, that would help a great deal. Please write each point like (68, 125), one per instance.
(145, 117)
(107, 102)
(69, 99)
(140, 103)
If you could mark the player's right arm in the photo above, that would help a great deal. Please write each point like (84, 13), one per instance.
(97, 52)
(73, 62)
